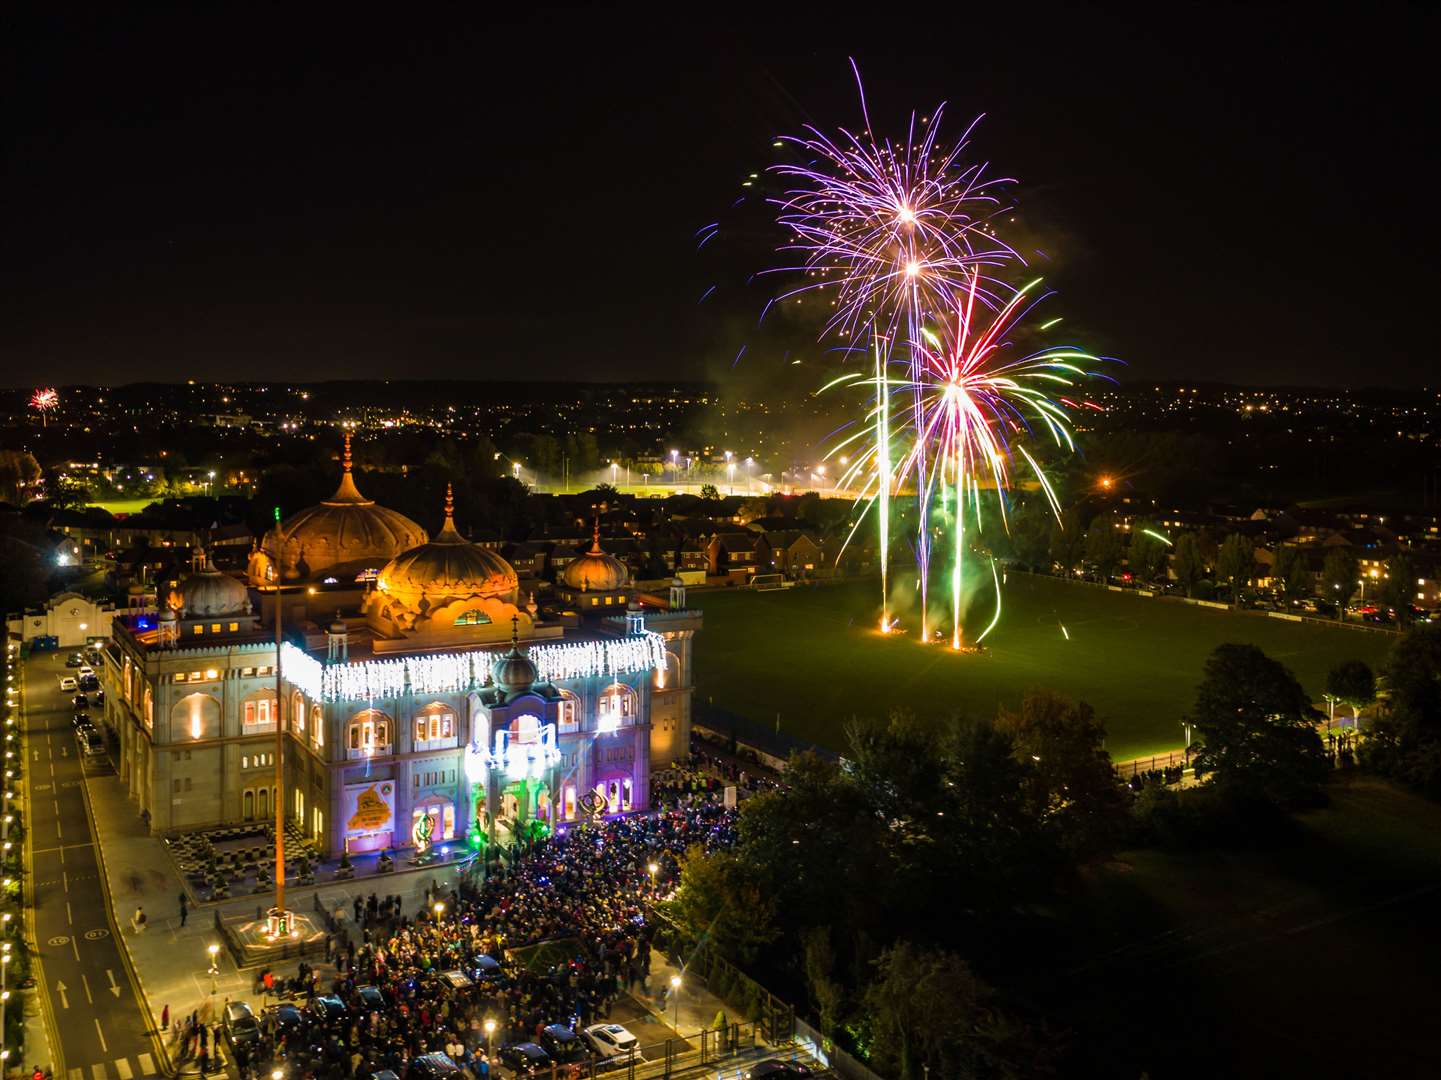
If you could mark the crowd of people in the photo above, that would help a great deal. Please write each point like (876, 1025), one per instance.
(584, 893)
(703, 777)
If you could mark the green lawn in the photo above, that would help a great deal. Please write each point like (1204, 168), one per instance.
(125, 506)
(1310, 956)
(812, 656)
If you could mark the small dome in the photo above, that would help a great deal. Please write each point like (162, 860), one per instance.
(136, 589)
(208, 592)
(346, 531)
(595, 571)
(514, 672)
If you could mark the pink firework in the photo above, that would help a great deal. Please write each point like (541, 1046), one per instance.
(43, 401)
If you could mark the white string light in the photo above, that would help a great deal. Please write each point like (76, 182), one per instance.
(447, 673)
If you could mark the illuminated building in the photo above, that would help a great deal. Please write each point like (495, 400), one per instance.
(435, 703)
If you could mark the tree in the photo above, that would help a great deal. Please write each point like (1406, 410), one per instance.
(1103, 545)
(1236, 563)
(1291, 574)
(1398, 587)
(607, 494)
(1405, 740)
(1352, 683)
(1148, 555)
(19, 476)
(1187, 563)
(1256, 727)
(709, 492)
(1070, 783)
(1338, 578)
(720, 897)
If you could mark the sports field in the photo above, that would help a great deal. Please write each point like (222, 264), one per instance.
(813, 657)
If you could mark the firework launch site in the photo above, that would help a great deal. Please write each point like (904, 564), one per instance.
(814, 658)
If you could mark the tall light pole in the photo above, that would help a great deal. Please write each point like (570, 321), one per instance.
(278, 924)
(674, 469)
(4, 1001)
(614, 468)
(675, 1002)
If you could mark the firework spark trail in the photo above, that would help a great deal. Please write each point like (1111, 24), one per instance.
(43, 401)
(962, 418)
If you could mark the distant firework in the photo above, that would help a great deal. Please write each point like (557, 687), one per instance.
(43, 401)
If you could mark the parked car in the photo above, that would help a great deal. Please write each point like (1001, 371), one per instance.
(286, 1018)
(240, 1025)
(611, 1040)
(98, 698)
(88, 683)
(91, 744)
(525, 1059)
(776, 1069)
(562, 1043)
(74, 660)
(487, 971)
(329, 1010)
(68, 684)
(436, 1064)
(86, 671)
(81, 720)
(371, 999)
(80, 701)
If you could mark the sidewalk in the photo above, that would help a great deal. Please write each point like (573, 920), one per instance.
(171, 962)
(38, 1051)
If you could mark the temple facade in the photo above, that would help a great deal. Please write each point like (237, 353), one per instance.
(439, 709)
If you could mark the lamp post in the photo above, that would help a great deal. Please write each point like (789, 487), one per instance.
(214, 969)
(675, 1001)
(614, 470)
(439, 910)
(4, 1002)
(490, 1036)
(278, 923)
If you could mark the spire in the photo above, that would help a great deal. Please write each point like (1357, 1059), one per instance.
(515, 631)
(595, 535)
(449, 501)
(347, 491)
(447, 534)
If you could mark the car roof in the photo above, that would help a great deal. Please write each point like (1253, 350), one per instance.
(559, 1030)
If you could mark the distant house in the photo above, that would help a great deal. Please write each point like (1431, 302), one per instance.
(794, 552)
(739, 554)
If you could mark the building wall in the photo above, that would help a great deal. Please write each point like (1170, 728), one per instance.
(69, 616)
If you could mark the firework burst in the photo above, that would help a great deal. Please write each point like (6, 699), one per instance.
(44, 401)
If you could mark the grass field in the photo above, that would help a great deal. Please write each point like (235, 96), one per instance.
(125, 506)
(812, 656)
(1308, 956)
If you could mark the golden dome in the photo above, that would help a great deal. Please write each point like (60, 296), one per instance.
(347, 533)
(595, 571)
(448, 581)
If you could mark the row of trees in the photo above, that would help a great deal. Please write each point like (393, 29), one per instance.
(878, 887)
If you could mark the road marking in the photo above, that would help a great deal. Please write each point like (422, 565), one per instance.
(76, 949)
(104, 1049)
(60, 848)
(146, 1063)
(98, 1070)
(58, 940)
(76, 1074)
(89, 997)
(66, 878)
(122, 1066)
(64, 1001)
(67, 913)
(57, 806)
(114, 989)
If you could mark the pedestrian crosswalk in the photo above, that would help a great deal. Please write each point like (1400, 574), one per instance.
(140, 1067)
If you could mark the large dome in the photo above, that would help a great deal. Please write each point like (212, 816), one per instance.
(446, 582)
(595, 571)
(346, 534)
(208, 592)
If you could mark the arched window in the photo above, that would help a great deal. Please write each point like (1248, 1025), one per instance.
(317, 726)
(435, 724)
(257, 713)
(195, 716)
(668, 677)
(472, 618)
(297, 713)
(149, 707)
(479, 721)
(569, 711)
(525, 729)
(618, 706)
(369, 734)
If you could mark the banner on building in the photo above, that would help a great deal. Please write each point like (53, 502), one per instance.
(369, 815)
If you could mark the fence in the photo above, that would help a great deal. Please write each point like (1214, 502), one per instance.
(830, 1055)
(1126, 769)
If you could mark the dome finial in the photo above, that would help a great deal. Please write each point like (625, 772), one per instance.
(449, 501)
(595, 533)
(345, 456)
(515, 631)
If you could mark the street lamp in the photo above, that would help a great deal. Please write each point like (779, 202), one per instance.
(439, 910)
(4, 999)
(614, 469)
(214, 970)
(210, 481)
(490, 1036)
(675, 1000)
(652, 868)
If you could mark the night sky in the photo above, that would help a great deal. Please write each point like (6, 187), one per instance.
(432, 193)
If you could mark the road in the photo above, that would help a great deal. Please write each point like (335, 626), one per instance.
(102, 1031)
